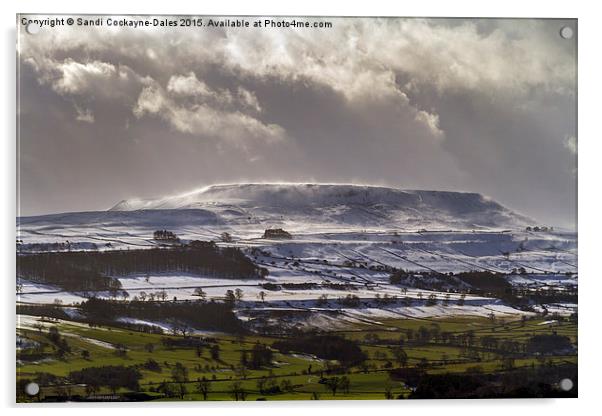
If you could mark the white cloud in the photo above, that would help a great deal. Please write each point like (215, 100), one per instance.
(90, 80)
(430, 120)
(77, 78)
(355, 57)
(188, 85)
(151, 101)
(84, 115)
(248, 99)
(361, 59)
(361, 56)
(203, 120)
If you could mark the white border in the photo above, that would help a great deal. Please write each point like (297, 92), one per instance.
(589, 192)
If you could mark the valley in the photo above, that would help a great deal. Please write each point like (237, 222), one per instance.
(388, 271)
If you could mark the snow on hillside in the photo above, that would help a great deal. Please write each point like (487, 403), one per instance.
(345, 235)
(339, 204)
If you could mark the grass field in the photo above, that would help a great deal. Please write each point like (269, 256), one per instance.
(298, 376)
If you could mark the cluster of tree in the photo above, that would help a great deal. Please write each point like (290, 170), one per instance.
(73, 271)
(47, 379)
(310, 286)
(490, 342)
(271, 286)
(261, 356)
(56, 312)
(477, 282)
(60, 343)
(336, 383)
(89, 271)
(411, 376)
(233, 296)
(350, 301)
(386, 299)
(484, 283)
(565, 294)
(433, 333)
(329, 347)
(151, 365)
(237, 391)
(177, 387)
(165, 235)
(112, 376)
(172, 390)
(186, 342)
(542, 344)
(487, 283)
(277, 233)
(270, 385)
(399, 277)
(44, 311)
(63, 246)
(426, 280)
(182, 315)
(549, 344)
(339, 286)
(537, 228)
(149, 329)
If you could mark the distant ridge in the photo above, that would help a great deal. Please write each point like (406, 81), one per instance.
(338, 204)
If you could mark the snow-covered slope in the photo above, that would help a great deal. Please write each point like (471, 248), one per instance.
(355, 205)
(347, 235)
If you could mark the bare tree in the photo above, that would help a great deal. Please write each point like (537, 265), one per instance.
(322, 300)
(226, 237)
(388, 390)
(204, 387)
(400, 356)
(180, 327)
(332, 384)
(200, 293)
(237, 391)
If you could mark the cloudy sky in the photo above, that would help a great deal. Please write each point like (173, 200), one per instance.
(472, 105)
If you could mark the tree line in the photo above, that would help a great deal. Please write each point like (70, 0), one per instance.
(329, 347)
(90, 271)
(182, 316)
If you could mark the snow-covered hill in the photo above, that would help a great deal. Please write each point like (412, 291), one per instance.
(342, 234)
(351, 205)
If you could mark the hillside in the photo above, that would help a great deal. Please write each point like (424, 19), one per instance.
(352, 205)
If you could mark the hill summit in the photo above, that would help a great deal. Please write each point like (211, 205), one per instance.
(338, 204)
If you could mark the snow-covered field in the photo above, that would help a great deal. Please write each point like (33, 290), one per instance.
(345, 240)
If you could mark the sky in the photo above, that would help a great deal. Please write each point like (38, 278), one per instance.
(479, 105)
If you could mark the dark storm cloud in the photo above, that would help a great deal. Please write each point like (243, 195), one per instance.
(485, 106)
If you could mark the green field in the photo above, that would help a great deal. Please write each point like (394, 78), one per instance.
(296, 376)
